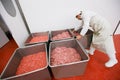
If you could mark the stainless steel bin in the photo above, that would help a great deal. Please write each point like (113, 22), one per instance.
(70, 69)
(9, 73)
(56, 32)
(32, 35)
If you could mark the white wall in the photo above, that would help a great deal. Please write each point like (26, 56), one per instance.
(45, 15)
(15, 25)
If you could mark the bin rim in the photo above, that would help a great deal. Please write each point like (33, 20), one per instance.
(15, 76)
(66, 64)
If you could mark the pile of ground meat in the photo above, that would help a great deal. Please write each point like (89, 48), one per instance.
(63, 55)
(39, 39)
(62, 36)
(32, 62)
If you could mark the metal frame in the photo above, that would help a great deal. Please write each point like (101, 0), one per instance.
(116, 27)
(23, 17)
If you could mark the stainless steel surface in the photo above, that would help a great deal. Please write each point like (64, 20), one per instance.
(10, 69)
(70, 69)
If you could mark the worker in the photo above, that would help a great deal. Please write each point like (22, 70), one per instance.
(102, 39)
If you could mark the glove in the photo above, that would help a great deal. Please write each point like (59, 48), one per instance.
(78, 37)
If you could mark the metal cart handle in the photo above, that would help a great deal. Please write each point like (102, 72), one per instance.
(116, 28)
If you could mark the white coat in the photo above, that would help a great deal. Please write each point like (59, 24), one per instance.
(102, 38)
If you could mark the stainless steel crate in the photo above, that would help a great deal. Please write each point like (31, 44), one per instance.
(54, 33)
(27, 42)
(70, 69)
(12, 65)
(85, 40)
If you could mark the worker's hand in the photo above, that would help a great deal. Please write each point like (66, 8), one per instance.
(75, 33)
(78, 36)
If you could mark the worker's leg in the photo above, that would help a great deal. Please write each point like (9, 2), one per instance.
(91, 50)
(112, 60)
(110, 50)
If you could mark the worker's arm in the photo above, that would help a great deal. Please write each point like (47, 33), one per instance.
(86, 16)
(86, 20)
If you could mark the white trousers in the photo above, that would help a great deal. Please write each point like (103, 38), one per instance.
(106, 46)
